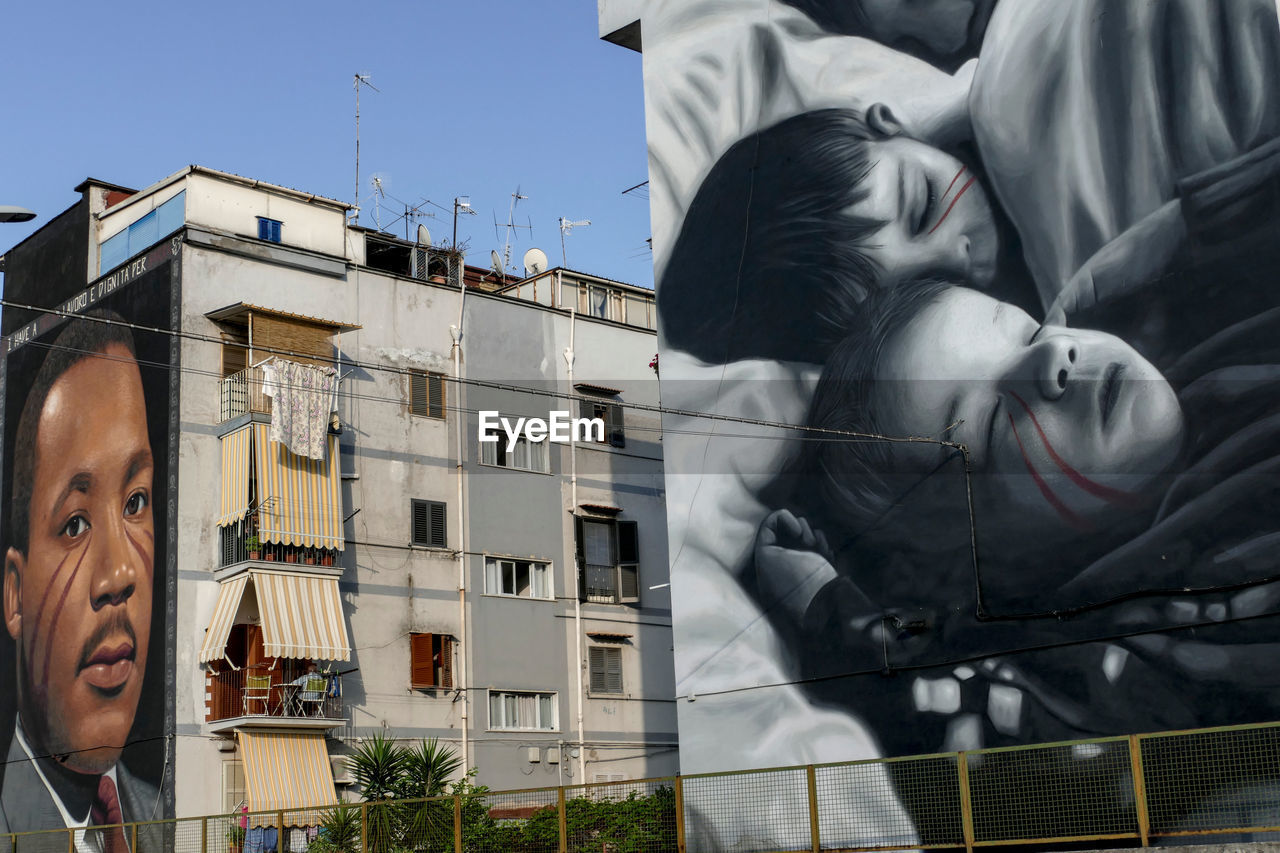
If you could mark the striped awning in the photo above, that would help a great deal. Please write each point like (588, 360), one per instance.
(299, 499)
(301, 616)
(224, 616)
(235, 477)
(286, 770)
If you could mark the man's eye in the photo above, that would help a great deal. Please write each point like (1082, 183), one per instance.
(76, 527)
(137, 503)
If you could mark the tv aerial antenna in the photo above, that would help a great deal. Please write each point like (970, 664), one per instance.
(378, 193)
(511, 225)
(360, 80)
(566, 228)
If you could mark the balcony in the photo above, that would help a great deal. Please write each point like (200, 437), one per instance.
(242, 394)
(239, 542)
(272, 695)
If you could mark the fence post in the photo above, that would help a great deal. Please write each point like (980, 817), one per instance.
(133, 837)
(71, 841)
(204, 835)
(564, 823)
(966, 800)
(457, 823)
(364, 828)
(679, 790)
(1139, 789)
(815, 835)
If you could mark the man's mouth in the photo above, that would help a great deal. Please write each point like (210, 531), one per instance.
(1109, 390)
(109, 667)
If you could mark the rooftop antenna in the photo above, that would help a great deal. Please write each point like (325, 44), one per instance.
(516, 198)
(566, 228)
(360, 79)
(378, 192)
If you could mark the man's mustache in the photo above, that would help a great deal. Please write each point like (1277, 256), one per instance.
(117, 623)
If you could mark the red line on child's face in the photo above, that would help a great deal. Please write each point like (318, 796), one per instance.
(953, 182)
(1072, 518)
(947, 212)
(1115, 496)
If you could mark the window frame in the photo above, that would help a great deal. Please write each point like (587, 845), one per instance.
(270, 230)
(610, 411)
(493, 451)
(436, 409)
(547, 567)
(431, 654)
(434, 532)
(555, 710)
(606, 654)
(624, 554)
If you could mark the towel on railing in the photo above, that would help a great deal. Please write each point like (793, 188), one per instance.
(302, 399)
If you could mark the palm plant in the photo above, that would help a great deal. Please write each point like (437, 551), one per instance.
(378, 767)
(339, 831)
(428, 767)
(388, 775)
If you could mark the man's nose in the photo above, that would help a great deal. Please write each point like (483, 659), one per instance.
(115, 575)
(1053, 364)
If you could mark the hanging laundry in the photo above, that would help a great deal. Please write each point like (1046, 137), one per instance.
(302, 399)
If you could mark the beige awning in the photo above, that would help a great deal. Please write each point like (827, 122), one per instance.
(299, 499)
(224, 616)
(286, 770)
(301, 616)
(235, 477)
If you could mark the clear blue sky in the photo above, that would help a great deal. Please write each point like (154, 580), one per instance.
(477, 97)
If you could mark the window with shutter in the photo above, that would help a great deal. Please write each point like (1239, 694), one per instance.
(429, 524)
(611, 415)
(605, 666)
(608, 554)
(426, 395)
(430, 661)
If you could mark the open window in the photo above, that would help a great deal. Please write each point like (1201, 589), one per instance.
(608, 560)
(430, 661)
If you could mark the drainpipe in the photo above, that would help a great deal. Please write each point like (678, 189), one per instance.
(577, 575)
(455, 331)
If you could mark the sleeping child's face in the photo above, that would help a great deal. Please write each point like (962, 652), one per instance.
(938, 222)
(1066, 427)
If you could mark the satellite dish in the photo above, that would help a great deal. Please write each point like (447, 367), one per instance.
(424, 236)
(535, 261)
(496, 266)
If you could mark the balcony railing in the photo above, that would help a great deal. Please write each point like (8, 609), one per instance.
(242, 394)
(260, 691)
(239, 542)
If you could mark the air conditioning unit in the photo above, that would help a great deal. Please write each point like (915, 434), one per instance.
(534, 754)
(341, 770)
(553, 756)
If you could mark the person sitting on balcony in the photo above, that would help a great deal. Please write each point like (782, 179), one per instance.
(305, 680)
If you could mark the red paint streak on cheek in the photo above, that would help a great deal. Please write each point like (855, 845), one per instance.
(951, 206)
(44, 599)
(1062, 509)
(57, 613)
(1115, 496)
(953, 183)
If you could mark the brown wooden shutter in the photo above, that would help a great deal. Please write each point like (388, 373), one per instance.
(418, 393)
(293, 339)
(435, 394)
(446, 661)
(422, 671)
(628, 562)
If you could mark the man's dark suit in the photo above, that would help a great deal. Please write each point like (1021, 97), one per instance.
(26, 804)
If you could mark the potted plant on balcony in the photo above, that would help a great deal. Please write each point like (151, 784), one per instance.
(235, 839)
(253, 545)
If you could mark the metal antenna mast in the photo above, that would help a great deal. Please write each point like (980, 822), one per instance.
(359, 79)
(566, 228)
(516, 198)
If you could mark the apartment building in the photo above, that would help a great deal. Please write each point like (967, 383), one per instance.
(322, 496)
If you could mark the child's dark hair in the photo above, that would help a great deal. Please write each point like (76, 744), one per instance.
(769, 262)
(83, 337)
(857, 482)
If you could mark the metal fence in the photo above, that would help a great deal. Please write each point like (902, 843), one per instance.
(1131, 790)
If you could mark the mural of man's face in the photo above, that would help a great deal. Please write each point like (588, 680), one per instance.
(1066, 427)
(78, 603)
